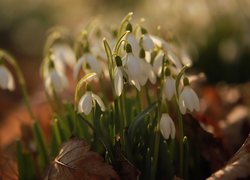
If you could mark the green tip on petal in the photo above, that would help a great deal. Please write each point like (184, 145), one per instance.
(128, 48)
(143, 30)
(142, 53)
(186, 81)
(167, 72)
(129, 27)
(118, 61)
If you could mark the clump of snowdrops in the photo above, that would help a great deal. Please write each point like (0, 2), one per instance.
(131, 92)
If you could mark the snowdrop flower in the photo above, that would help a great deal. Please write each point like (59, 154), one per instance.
(55, 80)
(118, 76)
(146, 42)
(6, 79)
(64, 53)
(147, 70)
(157, 64)
(167, 126)
(185, 58)
(188, 98)
(132, 40)
(91, 61)
(88, 101)
(133, 67)
(169, 85)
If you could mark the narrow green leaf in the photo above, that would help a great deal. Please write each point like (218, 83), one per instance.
(119, 42)
(56, 138)
(124, 22)
(140, 117)
(20, 160)
(42, 153)
(186, 157)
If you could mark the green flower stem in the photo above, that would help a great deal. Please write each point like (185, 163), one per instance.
(180, 120)
(181, 131)
(156, 144)
(58, 102)
(21, 81)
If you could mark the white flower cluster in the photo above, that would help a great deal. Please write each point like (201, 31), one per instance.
(141, 57)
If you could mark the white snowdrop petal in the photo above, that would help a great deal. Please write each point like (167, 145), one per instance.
(188, 98)
(169, 87)
(174, 59)
(85, 103)
(143, 79)
(99, 101)
(157, 41)
(59, 65)
(165, 125)
(58, 80)
(157, 64)
(195, 100)
(118, 81)
(134, 43)
(185, 59)
(133, 66)
(94, 64)
(11, 83)
(136, 83)
(172, 133)
(64, 52)
(182, 105)
(6, 79)
(77, 67)
(147, 43)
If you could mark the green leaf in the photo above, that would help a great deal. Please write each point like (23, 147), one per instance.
(124, 22)
(119, 42)
(20, 160)
(56, 138)
(25, 164)
(41, 148)
(139, 118)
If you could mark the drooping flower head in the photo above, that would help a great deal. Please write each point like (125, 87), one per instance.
(88, 101)
(147, 72)
(167, 126)
(131, 39)
(6, 78)
(169, 85)
(188, 98)
(133, 67)
(146, 41)
(118, 76)
(54, 79)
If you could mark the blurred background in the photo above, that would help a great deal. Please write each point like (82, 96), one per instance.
(215, 33)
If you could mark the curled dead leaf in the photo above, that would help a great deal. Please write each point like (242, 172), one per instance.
(238, 167)
(76, 161)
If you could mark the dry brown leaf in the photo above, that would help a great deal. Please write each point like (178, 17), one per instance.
(76, 161)
(8, 168)
(125, 169)
(238, 167)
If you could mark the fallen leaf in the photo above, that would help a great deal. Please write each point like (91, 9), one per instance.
(124, 168)
(8, 168)
(238, 167)
(76, 161)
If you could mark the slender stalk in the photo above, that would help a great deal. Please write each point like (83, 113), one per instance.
(21, 81)
(153, 168)
(181, 130)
